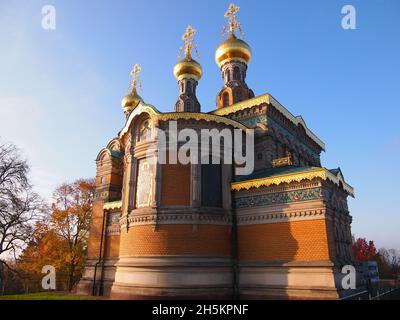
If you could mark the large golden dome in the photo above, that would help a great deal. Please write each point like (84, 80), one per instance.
(232, 49)
(188, 68)
(130, 101)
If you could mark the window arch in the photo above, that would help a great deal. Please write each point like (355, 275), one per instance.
(225, 99)
(236, 74)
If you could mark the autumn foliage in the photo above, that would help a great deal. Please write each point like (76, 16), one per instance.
(60, 240)
(364, 250)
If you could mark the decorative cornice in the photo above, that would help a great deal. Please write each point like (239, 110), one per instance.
(268, 99)
(272, 199)
(141, 108)
(321, 173)
(200, 116)
(279, 217)
(178, 218)
(265, 98)
(112, 205)
(113, 230)
(156, 115)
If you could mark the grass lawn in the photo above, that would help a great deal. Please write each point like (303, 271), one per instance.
(57, 295)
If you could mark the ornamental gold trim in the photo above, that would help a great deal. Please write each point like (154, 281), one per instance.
(112, 205)
(200, 116)
(155, 115)
(322, 173)
(265, 98)
(268, 99)
(277, 180)
(141, 108)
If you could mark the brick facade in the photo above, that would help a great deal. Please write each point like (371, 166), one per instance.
(175, 185)
(207, 240)
(289, 241)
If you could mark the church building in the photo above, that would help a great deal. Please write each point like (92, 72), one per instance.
(199, 230)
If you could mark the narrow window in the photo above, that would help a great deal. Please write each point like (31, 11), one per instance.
(236, 74)
(211, 185)
(225, 99)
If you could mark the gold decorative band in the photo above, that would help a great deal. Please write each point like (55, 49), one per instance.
(320, 173)
(112, 205)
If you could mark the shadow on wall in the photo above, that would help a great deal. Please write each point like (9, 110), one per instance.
(264, 249)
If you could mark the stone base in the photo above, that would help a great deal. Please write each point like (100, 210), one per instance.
(105, 276)
(173, 277)
(123, 292)
(185, 277)
(315, 280)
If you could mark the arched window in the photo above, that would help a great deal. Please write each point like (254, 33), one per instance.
(236, 74)
(229, 75)
(225, 99)
(211, 185)
(188, 87)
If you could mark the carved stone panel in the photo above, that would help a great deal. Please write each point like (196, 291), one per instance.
(145, 180)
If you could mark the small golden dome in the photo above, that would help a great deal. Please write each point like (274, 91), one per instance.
(188, 68)
(232, 49)
(130, 101)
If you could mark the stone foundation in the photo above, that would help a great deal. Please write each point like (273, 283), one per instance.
(173, 277)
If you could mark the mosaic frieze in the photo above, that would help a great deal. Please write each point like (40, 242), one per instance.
(279, 198)
(113, 218)
(253, 121)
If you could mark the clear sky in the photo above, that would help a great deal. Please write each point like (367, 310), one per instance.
(60, 90)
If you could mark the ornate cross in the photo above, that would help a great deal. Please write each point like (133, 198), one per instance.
(232, 21)
(188, 38)
(135, 75)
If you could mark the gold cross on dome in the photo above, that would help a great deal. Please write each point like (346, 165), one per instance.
(135, 75)
(232, 21)
(189, 45)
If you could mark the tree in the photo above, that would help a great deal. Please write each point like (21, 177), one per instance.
(70, 220)
(363, 250)
(389, 263)
(19, 205)
(60, 239)
(45, 248)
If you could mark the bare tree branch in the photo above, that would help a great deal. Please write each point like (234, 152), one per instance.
(19, 205)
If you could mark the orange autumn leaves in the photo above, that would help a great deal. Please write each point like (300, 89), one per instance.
(60, 239)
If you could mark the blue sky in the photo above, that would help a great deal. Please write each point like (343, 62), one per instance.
(60, 90)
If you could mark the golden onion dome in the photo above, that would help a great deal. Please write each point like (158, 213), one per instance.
(232, 49)
(130, 101)
(188, 68)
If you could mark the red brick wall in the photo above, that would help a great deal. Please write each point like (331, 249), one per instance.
(95, 230)
(112, 246)
(299, 240)
(209, 240)
(175, 188)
